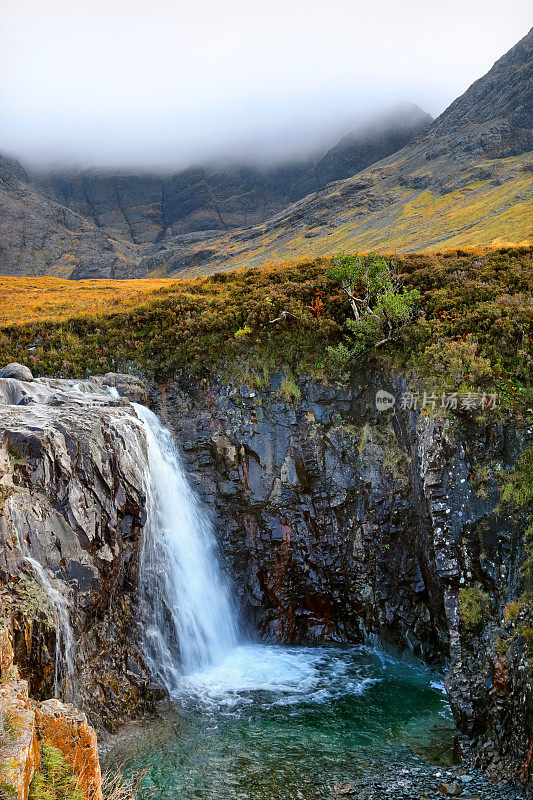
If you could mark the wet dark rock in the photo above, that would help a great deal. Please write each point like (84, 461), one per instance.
(72, 474)
(336, 522)
(128, 386)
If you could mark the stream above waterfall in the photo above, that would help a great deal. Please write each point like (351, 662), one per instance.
(288, 722)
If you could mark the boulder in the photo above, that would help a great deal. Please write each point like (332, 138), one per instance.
(128, 386)
(451, 789)
(18, 371)
(19, 748)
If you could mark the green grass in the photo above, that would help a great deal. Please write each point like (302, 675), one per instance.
(55, 779)
(289, 390)
(517, 485)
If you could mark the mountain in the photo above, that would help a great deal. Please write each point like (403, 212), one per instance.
(98, 223)
(145, 208)
(364, 146)
(465, 180)
(39, 236)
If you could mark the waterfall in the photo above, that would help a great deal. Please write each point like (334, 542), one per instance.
(189, 618)
(64, 685)
(64, 677)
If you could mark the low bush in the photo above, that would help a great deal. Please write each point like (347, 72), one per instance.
(474, 606)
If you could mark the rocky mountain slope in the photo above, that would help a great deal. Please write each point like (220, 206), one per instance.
(99, 224)
(466, 180)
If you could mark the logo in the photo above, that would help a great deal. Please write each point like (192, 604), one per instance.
(384, 400)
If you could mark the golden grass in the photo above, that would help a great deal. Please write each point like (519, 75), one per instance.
(24, 300)
(33, 299)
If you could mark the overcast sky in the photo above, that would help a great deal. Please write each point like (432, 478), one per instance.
(164, 82)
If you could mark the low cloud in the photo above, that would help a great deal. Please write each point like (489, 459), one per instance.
(162, 84)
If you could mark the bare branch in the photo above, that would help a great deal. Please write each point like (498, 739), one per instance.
(282, 317)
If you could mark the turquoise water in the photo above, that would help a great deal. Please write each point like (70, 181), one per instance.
(274, 722)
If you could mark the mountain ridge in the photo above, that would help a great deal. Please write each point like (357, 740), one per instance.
(463, 180)
(457, 184)
(101, 223)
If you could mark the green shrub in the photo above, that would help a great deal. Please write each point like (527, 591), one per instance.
(527, 566)
(517, 485)
(503, 645)
(527, 633)
(242, 332)
(474, 606)
(7, 790)
(455, 365)
(379, 305)
(479, 480)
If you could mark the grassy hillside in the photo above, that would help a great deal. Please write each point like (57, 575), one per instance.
(402, 204)
(472, 327)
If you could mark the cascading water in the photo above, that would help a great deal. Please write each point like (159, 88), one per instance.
(65, 671)
(190, 621)
(65, 651)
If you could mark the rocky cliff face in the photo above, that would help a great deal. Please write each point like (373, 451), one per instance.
(40, 236)
(495, 115)
(72, 467)
(336, 522)
(341, 522)
(26, 726)
(361, 148)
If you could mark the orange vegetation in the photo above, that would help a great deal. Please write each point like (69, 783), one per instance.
(33, 299)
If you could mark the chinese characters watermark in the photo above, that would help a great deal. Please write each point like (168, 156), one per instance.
(418, 401)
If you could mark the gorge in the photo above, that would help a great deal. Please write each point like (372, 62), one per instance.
(339, 526)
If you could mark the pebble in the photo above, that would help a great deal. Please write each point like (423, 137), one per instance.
(451, 789)
(410, 778)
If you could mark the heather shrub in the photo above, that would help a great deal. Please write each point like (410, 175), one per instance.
(455, 364)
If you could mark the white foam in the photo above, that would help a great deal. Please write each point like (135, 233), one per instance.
(278, 675)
